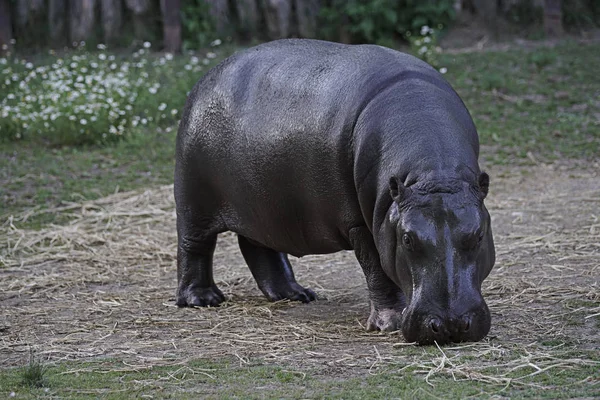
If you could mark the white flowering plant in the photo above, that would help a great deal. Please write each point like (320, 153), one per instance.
(92, 97)
(424, 44)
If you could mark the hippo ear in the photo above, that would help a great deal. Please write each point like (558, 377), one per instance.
(484, 183)
(397, 189)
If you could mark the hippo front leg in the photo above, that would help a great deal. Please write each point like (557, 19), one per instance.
(387, 300)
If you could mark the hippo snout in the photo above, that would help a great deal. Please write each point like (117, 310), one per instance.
(426, 327)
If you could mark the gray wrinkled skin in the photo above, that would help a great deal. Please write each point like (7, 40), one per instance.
(309, 147)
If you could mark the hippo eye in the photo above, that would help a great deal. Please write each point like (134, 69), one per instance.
(407, 241)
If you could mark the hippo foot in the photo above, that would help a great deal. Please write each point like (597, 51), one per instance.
(200, 297)
(293, 292)
(386, 319)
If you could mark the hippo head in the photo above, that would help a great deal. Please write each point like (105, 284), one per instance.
(439, 250)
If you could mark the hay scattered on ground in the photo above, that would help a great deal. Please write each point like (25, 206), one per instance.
(102, 285)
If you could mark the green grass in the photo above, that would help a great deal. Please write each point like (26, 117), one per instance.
(33, 375)
(543, 102)
(113, 379)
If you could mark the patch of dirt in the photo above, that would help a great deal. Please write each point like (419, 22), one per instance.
(103, 286)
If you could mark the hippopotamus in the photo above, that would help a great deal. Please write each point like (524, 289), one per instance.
(311, 147)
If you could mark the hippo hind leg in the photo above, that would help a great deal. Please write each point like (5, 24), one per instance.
(273, 273)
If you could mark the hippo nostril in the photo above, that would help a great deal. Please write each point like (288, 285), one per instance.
(465, 323)
(436, 325)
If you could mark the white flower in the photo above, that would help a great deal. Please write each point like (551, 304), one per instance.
(13, 41)
(152, 90)
(72, 118)
(188, 67)
(162, 106)
(423, 50)
(94, 65)
(102, 56)
(101, 46)
(216, 42)
(427, 39)
(147, 45)
(5, 47)
(83, 121)
(29, 65)
(144, 121)
(443, 70)
(424, 30)
(169, 56)
(210, 54)
(10, 96)
(173, 112)
(73, 65)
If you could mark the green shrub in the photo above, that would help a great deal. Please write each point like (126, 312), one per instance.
(525, 13)
(581, 14)
(198, 26)
(382, 21)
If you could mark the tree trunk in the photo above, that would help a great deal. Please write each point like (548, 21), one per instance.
(277, 16)
(5, 25)
(248, 17)
(553, 18)
(27, 10)
(57, 22)
(171, 25)
(140, 10)
(112, 19)
(488, 10)
(307, 12)
(29, 22)
(219, 10)
(82, 19)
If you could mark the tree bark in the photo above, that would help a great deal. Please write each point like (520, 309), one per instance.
(277, 16)
(307, 12)
(219, 10)
(27, 10)
(171, 25)
(57, 22)
(5, 25)
(81, 19)
(140, 10)
(553, 18)
(248, 17)
(112, 19)
(29, 22)
(488, 10)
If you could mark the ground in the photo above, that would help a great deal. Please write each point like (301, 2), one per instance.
(87, 285)
(100, 289)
